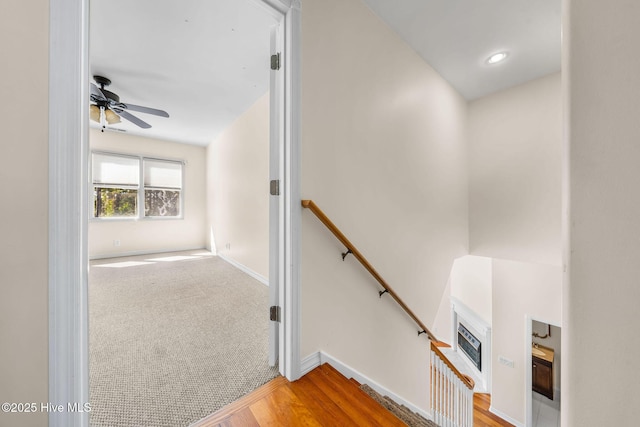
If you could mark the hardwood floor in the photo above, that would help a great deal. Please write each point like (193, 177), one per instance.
(323, 397)
(481, 415)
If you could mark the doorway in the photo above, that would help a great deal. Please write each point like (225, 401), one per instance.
(69, 153)
(543, 377)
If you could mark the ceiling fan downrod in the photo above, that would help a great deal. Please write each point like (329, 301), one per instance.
(102, 81)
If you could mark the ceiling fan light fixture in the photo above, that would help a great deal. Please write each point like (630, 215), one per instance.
(497, 57)
(111, 117)
(94, 113)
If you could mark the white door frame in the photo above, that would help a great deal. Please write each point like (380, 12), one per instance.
(68, 201)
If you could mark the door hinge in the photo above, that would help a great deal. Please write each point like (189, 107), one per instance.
(275, 187)
(275, 61)
(274, 313)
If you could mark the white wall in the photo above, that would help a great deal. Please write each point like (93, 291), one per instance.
(519, 289)
(515, 213)
(238, 190)
(601, 375)
(599, 303)
(471, 283)
(24, 43)
(515, 173)
(384, 155)
(148, 236)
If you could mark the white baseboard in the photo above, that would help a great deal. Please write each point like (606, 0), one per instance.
(318, 358)
(147, 252)
(245, 269)
(505, 417)
(310, 363)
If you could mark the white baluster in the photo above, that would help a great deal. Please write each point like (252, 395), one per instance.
(433, 384)
(456, 415)
(438, 390)
(449, 396)
(464, 418)
(463, 398)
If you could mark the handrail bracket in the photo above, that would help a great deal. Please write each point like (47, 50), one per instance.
(356, 253)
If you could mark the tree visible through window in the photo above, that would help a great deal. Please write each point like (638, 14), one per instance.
(115, 202)
(162, 185)
(117, 189)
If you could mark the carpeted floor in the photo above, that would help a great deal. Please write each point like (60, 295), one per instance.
(405, 414)
(173, 338)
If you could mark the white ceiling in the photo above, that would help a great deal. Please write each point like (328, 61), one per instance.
(203, 61)
(207, 61)
(457, 36)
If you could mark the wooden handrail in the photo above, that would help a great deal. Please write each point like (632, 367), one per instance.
(466, 380)
(309, 204)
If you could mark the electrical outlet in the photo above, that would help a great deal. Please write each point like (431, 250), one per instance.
(116, 243)
(505, 361)
(228, 246)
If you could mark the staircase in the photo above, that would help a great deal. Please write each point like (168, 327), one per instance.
(451, 391)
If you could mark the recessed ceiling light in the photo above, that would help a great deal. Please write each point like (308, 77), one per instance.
(497, 57)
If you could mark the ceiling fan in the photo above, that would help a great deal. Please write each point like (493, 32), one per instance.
(106, 107)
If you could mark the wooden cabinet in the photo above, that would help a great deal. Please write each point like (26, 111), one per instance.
(542, 376)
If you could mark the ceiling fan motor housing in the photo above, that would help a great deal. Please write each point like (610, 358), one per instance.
(107, 103)
(103, 81)
(111, 96)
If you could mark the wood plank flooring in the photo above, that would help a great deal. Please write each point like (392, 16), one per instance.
(323, 397)
(481, 415)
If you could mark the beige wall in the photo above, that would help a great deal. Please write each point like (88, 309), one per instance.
(384, 155)
(515, 213)
(24, 43)
(599, 301)
(238, 190)
(471, 283)
(515, 173)
(148, 236)
(603, 130)
(519, 289)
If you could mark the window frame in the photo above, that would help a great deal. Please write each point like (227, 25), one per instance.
(141, 188)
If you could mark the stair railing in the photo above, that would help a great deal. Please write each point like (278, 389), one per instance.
(451, 391)
(351, 249)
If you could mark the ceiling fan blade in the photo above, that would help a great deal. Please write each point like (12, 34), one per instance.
(95, 91)
(147, 110)
(133, 119)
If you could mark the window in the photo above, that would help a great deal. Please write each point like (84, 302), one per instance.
(121, 184)
(115, 185)
(162, 185)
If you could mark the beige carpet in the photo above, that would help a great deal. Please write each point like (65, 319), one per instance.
(173, 338)
(405, 414)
